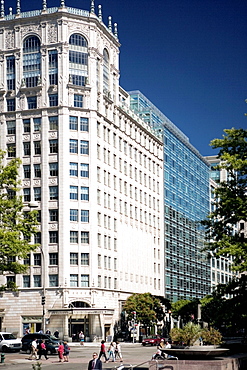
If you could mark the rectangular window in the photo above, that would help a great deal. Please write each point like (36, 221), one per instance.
(53, 100)
(84, 124)
(53, 259)
(32, 102)
(26, 148)
(26, 195)
(73, 146)
(84, 280)
(27, 171)
(53, 191)
(73, 169)
(85, 237)
(37, 147)
(26, 126)
(53, 215)
(53, 67)
(85, 193)
(53, 237)
(11, 127)
(10, 105)
(84, 147)
(84, 215)
(53, 280)
(11, 149)
(37, 124)
(37, 238)
(53, 169)
(74, 280)
(26, 281)
(26, 261)
(37, 194)
(73, 123)
(53, 146)
(74, 258)
(84, 170)
(37, 281)
(74, 215)
(10, 71)
(78, 101)
(73, 192)
(85, 259)
(53, 123)
(74, 237)
(37, 259)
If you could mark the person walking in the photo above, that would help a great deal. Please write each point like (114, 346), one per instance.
(111, 351)
(33, 350)
(66, 352)
(56, 334)
(60, 352)
(103, 351)
(118, 352)
(81, 338)
(42, 350)
(95, 363)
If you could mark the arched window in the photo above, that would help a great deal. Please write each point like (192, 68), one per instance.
(105, 71)
(31, 61)
(78, 59)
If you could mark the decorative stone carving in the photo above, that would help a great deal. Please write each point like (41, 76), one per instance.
(52, 33)
(10, 40)
(30, 28)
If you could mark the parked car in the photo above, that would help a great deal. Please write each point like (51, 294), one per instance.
(51, 342)
(8, 342)
(151, 341)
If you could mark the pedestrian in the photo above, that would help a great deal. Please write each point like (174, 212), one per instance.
(33, 350)
(81, 338)
(60, 351)
(42, 350)
(111, 351)
(66, 352)
(168, 345)
(103, 351)
(48, 332)
(95, 363)
(56, 333)
(118, 352)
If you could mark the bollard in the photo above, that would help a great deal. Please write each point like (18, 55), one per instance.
(2, 358)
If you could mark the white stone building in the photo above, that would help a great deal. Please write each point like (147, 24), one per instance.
(92, 169)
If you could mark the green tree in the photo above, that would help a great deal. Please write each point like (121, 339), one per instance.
(146, 307)
(16, 226)
(185, 308)
(230, 206)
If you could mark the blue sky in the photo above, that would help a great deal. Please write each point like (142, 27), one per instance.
(189, 57)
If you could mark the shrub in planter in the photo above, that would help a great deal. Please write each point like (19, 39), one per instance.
(211, 336)
(188, 335)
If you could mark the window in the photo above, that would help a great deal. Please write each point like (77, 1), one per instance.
(26, 261)
(84, 216)
(74, 258)
(53, 100)
(73, 169)
(26, 148)
(85, 193)
(26, 194)
(10, 105)
(27, 171)
(74, 280)
(53, 146)
(53, 237)
(85, 237)
(37, 194)
(37, 147)
(84, 170)
(84, 124)
(73, 123)
(74, 215)
(53, 169)
(74, 237)
(105, 71)
(53, 280)
(53, 67)
(85, 259)
(37, 281)
(73, 146)
(53, 215)
(37, 259)
(31, 61)
(37, 170)
(10, 71)
(32, 102)
(11, 148)
(53, 191)
(26, 281)
(73, 192)
(78, 101)
(85, 280)
(37, 238)
(37, 124)
(78, 60)
(53, 123)
(53, 258)
(26, 126)
(11, 127)
(84, 147)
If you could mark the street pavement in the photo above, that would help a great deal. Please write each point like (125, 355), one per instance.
(133, 354)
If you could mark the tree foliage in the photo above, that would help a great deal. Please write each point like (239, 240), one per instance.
(146, 307)
(185, 308)
(16, 226)
(230, 205)
(191, 332)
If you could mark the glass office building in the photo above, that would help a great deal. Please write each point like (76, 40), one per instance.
(186, 202)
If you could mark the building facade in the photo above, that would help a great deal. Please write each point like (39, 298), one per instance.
(186, 203)
(90, 166)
